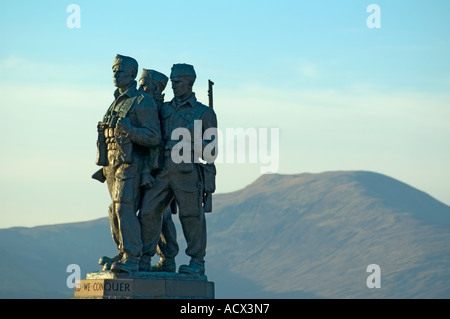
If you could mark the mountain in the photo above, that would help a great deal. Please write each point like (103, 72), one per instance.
(317, 233)
(283, 236)
(34, 260)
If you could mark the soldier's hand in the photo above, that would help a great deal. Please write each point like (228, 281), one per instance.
(123, 125)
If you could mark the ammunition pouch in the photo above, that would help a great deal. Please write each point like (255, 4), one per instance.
(108, 140)
(113, 141)
(208, 172)
(209, 177)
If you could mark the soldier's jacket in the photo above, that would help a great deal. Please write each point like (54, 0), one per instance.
(182, 115)
(175, 115)
(152, 160)
(146, 130)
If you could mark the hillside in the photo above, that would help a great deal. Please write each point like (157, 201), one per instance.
(317, 233)
(283, 236)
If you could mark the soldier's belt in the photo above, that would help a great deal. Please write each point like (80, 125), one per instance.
(168, 152)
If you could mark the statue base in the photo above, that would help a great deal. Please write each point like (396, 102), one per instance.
(143, 285)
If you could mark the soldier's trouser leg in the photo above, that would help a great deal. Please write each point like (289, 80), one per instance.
(125, 193)
(109, 173)
(129, 229)
(167, 244)
(114, 224)
(188, 195)
(194, 230)
(126, 202)
(154, 204)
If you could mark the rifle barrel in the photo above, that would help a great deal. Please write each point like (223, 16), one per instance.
(210, 93)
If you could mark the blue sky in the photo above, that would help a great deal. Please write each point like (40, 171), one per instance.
(343, 96)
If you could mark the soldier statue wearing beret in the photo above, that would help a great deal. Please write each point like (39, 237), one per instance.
(130, 128)
(182, 181)
(154, 83)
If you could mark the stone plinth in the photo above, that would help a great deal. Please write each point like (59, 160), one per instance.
(153, 285)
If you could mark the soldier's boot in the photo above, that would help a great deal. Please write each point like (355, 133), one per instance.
(165, 264)
(196, 266)
(145, 263)
(126, 264)
(107, 262)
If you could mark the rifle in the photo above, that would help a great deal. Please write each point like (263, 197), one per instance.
(207, 197)
(210, 93)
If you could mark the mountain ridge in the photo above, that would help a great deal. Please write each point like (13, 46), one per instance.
(331, 212)
(283, 236)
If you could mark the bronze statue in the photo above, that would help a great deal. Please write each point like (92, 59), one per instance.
(154, 83)
(183, 181)
(129, 130)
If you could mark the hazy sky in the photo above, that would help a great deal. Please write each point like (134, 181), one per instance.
(343, 96)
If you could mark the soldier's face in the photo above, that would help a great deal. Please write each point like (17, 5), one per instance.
(148, 87)
(181, 87)
(123, 75)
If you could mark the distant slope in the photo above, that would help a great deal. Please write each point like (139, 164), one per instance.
(284, 236)
(41, 256)
(317, 233)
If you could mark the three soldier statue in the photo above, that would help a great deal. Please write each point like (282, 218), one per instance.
(158, 160)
